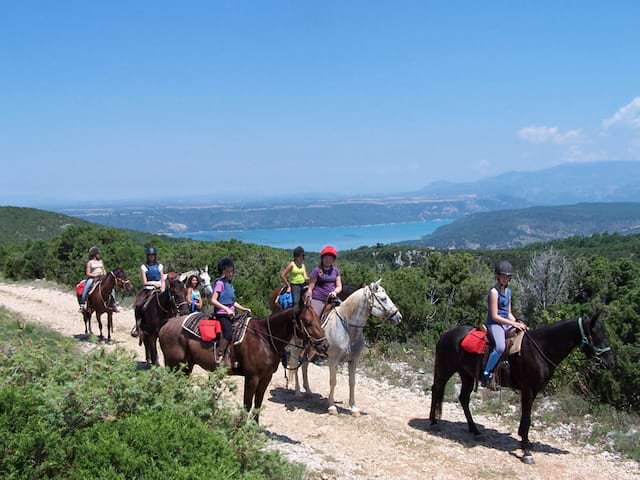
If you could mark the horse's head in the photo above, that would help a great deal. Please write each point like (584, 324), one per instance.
(121, 279)
(308, 322)
(205, 280)
(594, 340)
(177, 293)
(381, 305)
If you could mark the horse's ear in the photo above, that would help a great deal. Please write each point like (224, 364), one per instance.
(376, 284)
(206, 268)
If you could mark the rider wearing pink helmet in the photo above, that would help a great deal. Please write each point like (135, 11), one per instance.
(324, 282)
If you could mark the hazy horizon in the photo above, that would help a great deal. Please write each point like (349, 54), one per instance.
(155, 101)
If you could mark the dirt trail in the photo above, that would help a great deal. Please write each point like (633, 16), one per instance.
(390, 440)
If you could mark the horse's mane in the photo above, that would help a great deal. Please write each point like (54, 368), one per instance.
(553, 326)
(348, 306)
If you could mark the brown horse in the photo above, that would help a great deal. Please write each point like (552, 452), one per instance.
(99, 299)
(257, 356)
(160, 307)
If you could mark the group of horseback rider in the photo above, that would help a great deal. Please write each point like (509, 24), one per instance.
(324, 284)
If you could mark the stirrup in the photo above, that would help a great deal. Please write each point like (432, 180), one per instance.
(489, 382)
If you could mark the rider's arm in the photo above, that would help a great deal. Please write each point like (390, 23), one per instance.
(284, 274)
(187, 296)
(312, 284)
(304, 272)
(162, 282)
(241, 307)
(216, 303)
(87, 270)
(338, 288)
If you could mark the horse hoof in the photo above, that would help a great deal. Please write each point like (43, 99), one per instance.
(298, 395)
(355, 412)
(332, 410)
(478, 437)
(528, 459)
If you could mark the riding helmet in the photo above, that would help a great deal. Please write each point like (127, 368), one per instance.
(224, 263)
(298, 252)
(150, 250)
(93, 251)
(504, 268)
(329, 250)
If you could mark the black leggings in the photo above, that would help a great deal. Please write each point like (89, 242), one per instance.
(227, 326)
(296, 293)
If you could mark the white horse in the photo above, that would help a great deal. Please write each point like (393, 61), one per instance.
(343, 327)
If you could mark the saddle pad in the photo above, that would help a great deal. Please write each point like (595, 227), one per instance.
(192, 323)
(240, 328)
(516, 343)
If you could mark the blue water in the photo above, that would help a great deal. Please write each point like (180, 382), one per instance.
(313, 239)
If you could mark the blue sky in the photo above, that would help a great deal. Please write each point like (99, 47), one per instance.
(117, 100)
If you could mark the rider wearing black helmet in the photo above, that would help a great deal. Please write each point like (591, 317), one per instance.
(152, 274)
(224, 301)
(501, 322)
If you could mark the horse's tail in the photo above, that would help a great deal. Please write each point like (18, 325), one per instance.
(446, 364)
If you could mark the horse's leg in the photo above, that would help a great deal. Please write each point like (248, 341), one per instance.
(333, 371)
(353, 363)
(109, 325)
(98, 317)
(305, 377)
(262, 387)
(87, 323)
(526, 400)
(153, 350)
(147, 349)
(465, 396)
(250, 386)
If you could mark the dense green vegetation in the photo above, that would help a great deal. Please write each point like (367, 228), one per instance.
(435, 290)
(67, 415)
(519, 227)
(22, 224)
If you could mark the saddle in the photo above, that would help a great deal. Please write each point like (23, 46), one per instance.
(502, 372)
(240, 327)
(329, 306)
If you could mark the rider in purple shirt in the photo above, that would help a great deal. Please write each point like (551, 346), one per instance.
(325, 281)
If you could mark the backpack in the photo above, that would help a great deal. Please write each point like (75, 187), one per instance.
(285, 300)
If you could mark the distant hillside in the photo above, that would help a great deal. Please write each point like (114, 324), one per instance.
(178, 219)
(515, 228)
(564, 184)
(17, 225)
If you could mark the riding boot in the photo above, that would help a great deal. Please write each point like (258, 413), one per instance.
(223, 356)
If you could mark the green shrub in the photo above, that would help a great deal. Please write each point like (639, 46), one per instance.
(64, 414)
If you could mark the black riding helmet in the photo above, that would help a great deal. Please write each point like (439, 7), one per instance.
(150, 250)
(224, 263)
(298, 252)
(504, 268)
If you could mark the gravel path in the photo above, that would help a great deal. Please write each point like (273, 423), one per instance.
(390, 440)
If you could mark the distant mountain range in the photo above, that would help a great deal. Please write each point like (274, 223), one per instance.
(519, 227)
(565, 184)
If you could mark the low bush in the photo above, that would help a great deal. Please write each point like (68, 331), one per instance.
(65, 414)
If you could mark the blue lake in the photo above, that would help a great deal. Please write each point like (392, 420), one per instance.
(313, 239)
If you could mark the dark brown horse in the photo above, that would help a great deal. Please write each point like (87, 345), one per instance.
(160, 307)
(99, 301)
(257, 356)
(530, 370)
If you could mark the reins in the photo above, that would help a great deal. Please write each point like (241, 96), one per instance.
(535, 344)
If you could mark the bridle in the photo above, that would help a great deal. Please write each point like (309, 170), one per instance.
(387, 314)
(587, 341)
(298, 326)
(172, 299)
(119, 282)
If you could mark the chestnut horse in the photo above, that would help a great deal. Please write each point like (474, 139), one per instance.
(542, 351)
(99, 299)
(160, 307)
(257, 356)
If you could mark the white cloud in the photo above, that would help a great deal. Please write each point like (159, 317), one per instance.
(542, 134)
(627, 116)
